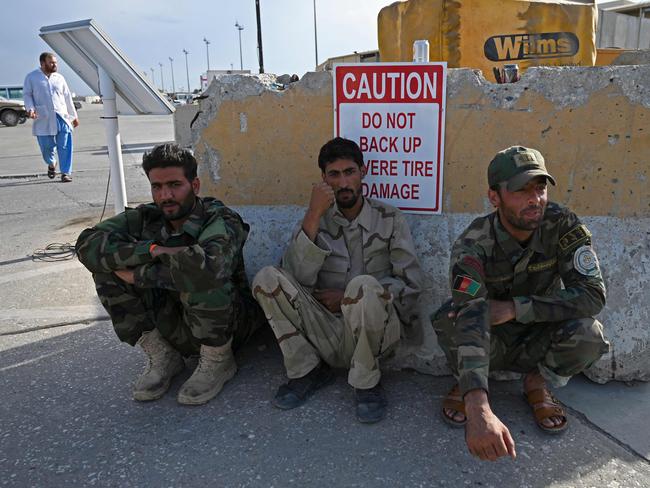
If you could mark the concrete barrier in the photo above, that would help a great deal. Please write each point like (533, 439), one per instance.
(257, 148)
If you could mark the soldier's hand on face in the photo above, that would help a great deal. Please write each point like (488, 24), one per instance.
(330, 298)
(125, 275)
(486, 436)
(322, 198)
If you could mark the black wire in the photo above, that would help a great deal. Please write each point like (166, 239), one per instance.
(108, 182)
(55, 252)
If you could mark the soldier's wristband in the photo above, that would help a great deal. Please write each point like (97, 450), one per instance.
(152, 247)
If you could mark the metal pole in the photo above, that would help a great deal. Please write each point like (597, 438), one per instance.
(187, 72)
(153, 77)
(260, 54)
(171, 61)
(241, 59)
(315, 34)
(162, 78)
(207, 53)
(113, 142)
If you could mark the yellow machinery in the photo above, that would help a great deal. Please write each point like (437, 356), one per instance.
(487, 34)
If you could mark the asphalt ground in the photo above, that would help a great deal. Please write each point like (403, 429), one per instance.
(67, 418)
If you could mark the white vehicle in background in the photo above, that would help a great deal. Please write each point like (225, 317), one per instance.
(12, 112)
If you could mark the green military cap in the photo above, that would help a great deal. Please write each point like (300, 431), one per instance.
(516, 166)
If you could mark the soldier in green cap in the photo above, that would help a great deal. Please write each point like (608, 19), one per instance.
(171, 276)
(526, 285)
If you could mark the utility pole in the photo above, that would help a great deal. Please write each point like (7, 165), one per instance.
(171, 61)
(260, 54)
(187, 71)
(315, 34)
(153, 78)
(207, 53)
(241, 59)
(162, 78)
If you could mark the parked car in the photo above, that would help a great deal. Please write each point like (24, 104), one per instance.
(12, 112)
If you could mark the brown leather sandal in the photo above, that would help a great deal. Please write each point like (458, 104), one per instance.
(453, 401)
(545, 406)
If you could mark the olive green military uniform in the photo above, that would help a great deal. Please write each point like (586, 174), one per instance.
(197, 296)
(557, 288)
(373, 260)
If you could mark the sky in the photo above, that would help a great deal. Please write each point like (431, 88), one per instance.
(150, 32)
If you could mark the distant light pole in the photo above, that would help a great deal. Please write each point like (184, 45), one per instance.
(153, 78)
(241, 59)
(171, 61)
(187, 71)
(162, 77)
(315, 34)
(207, 52)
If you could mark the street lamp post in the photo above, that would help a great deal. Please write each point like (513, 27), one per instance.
(315, 34)
(241, 59)
(162, 77)
(187, 71)
(153, 78)
(207, 52)
(171, 62)
(260, 51)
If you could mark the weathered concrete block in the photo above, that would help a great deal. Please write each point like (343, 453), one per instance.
(258, 146)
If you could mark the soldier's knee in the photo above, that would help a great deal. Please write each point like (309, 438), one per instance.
(587, 337)
(363, 282)
(266, 279)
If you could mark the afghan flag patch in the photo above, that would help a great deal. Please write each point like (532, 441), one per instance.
(465, 284)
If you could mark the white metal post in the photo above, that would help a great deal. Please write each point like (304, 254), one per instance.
(107, 93)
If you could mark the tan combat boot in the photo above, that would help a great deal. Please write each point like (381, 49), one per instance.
(216, 366)
(164, 362)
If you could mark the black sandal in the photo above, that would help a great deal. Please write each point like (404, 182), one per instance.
(51, 171)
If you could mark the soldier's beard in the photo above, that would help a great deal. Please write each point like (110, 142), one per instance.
(183, 210)
(347, 203)
(520, 221)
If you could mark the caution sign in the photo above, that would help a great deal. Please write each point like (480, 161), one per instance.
(396, 113)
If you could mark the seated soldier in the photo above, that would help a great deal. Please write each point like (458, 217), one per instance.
(171, 276)
(347, 289)
(509, 310)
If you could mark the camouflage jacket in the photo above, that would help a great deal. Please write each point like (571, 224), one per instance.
(555, 277)
(387, 250)
(214, 236)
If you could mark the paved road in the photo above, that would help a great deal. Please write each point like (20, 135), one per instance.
(66, 418)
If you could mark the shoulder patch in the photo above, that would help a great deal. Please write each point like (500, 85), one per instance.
(467, 285)
(585, 261)
(475, 264)
(572, 239)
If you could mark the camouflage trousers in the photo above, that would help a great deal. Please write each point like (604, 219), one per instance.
(558, 349)
(367, 329)
(186, 320)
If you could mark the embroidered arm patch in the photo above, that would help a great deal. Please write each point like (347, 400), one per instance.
(572, 239)
(465, 284)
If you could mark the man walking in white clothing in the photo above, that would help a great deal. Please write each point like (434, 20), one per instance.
(49, 102)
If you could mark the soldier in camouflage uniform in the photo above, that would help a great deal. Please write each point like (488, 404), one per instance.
(347, 289)
(171, 276)
(526, 285)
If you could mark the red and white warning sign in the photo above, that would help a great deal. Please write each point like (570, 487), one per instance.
(396, 113)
